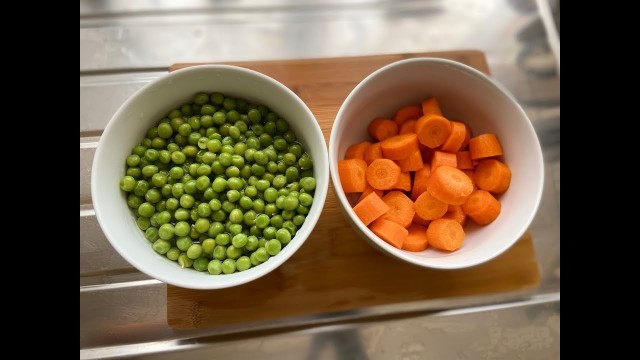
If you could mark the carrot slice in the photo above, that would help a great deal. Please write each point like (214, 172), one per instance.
(482, 207)
(454, 212)
(370, 208)
(408, 127)
(400, 208)
(431, 106)
(420, 181)
(417, 238)
(445, 234)
(352, 175)
(493, 175)
(418, 220)
(399, 146)
(390, 232)
(467, 137)
(407, 113)
(484, 146)
(382, 174)
(428, 207)
(372, 152)
(456, 137)
(368, 190)
(404, 182)
(381, 128)
(411, 163)
(463, 160)
(356, 151)
(433, 130)
(441, 158)
(449, 185)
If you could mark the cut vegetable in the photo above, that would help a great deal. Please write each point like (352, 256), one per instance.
(399, 146)
(493, 176)
(456, 137)
(381, 128)
(431, 106)
(400, 208)
(420, 181)
(372, 152)
(356, 151)
(382, 174)
(404, 182)
(441, 158)
(463, 160)
(445, 234)
(433, 130)
(390, 232)
(428, 207)
(411, 112)
(449, 185)
(370, 208)
(352, 175)
(482, 207)
(417, 238)
(411, 163)
(484, 146)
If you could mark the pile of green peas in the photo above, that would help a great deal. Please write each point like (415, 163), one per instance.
(220, 184)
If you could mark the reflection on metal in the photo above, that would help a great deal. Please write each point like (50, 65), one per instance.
(123, 312)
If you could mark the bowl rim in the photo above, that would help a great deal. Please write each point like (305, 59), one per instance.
(373, 238)
(274, 261)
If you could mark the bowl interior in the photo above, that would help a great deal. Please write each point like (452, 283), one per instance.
(465, 95)
(150, 104)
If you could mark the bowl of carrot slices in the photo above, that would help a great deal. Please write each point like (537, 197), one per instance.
(435, 163)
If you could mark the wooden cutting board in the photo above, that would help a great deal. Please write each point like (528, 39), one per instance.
(335, 270)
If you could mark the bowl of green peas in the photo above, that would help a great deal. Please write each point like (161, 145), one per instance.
(210, 176)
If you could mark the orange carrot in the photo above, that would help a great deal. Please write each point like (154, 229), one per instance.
(463, 160)
(372, 152)
(433, 130)
(449, 185)
(381, 128)
(484, 146)
(429, 208)
(368, 190)
(356, 151)
(420, 181)
(390, 232)
(454, 212)
(482, 207)
(493, 176)
(441, 158)
(399, 146)
(370, 208)
(407, 113)
(404, 182)
(408, 127)
(382, 174)
(445, 234)
(420, 221)
(467, 137)
(400, 208)
(456, 137)
(411, 163)
(431, 106)
(417, 238)
(352, 175)
(472, 175)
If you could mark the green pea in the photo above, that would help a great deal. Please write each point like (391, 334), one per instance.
(208, 245)
(235, 229)
(235, 183)
(288, 214)
(276, 221)
(262, 254)
(270, 194)
(173, 253)
(290, 203)
(202, 225)
(146, 209)
(200, 264)
(143, 223)
(233, 195)
(283, 236)
(161, 246)
(258, 205)
(214, 267)
(151, 234)
(243, 263)
(290, 226)
(273, 247)
(181, 214)
(184, 261)
(262, 221)
(269, 232)
(233, 252)
(279, 181)
(308, 183)
(166, 232)
(220, 252)
(187, 201)
(194, 251)
(298, 220)
(134, 171)
(182, 228)
(270, 209)
(239, 240)
(228, 266)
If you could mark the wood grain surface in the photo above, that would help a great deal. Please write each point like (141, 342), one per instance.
(335, 270)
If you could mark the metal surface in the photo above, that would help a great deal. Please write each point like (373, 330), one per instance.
(125, 44)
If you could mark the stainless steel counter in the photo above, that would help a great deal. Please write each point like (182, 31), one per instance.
(125, 44)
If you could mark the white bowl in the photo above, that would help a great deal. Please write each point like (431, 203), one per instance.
(464, 94)
(128, 126)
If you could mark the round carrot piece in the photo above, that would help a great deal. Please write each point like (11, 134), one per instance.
(407, 113)
(390, 232)
(352, 175)
(429, 208)
(493, 175)
(445, 234)
(417, 238)
(431, 106)
(382, 174)
(484, 146)
(482, 207)
(449, 185)
(456, 137)
(381, 128)
(399, 146)
(356, 151)
(400, 208)
(433, 130)
(372, 152)
(408, 127)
